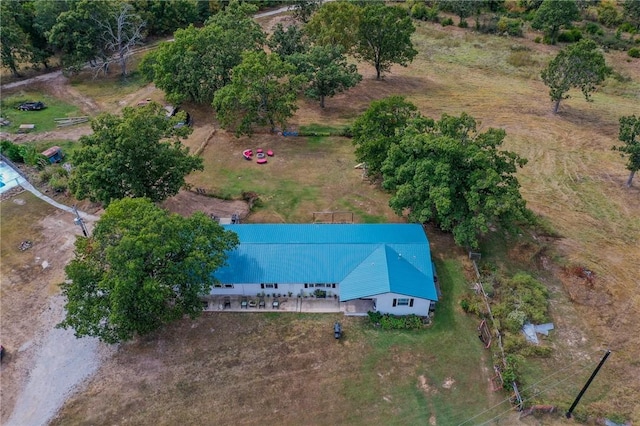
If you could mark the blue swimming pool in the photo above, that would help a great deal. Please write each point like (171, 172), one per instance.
(8, 177)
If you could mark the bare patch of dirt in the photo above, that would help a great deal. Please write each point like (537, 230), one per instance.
(186, 203)
(60, 88)
(72, 133)
(423, 384)
(448, 383)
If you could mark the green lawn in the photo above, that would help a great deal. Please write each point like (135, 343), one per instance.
(42, 119)
(404, 377)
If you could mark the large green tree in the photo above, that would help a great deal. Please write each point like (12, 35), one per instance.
(303, 9)
(199, 60)
(335, 24)
(287, 41)
(384, 37)
(378, 128)
(166, 16)
(629, 134)
(263, 91)
(552, 15)
(457, 178)
(76, 34)
(462, 8)
(14, 45)
(141, 268)
(138, 154)
(580, 65)
(326, 70)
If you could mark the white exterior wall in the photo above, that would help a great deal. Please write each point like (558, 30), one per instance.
(384, 304)
(283, 289)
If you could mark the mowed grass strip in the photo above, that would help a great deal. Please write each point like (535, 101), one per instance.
(43, 119)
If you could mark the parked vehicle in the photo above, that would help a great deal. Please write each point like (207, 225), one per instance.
(31, 106)
(337, 330)
(172, 111)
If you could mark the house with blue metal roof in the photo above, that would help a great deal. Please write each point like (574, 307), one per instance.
(387, 265)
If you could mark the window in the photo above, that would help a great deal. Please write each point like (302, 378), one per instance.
(220, 285)
(403, 302)
(268, 285)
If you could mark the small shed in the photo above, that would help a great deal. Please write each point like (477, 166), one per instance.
(53, 154)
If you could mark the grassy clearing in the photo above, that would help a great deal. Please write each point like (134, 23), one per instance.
(42, 119)
(110, 91)
(305, 175)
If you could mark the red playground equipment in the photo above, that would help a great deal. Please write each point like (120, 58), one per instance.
(261, 156)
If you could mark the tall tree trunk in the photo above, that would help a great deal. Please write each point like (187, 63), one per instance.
(556, 106)
(14, 70)
(321, 101)
(123, 64)
(633, 172)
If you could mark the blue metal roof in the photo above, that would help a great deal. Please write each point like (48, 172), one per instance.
(364, 260)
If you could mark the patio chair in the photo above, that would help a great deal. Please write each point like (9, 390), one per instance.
(261, 303)
(227, 303)
(244, 303)
(275, 304)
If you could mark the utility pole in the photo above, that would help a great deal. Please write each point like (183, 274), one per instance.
(78, 221)
(586, 385)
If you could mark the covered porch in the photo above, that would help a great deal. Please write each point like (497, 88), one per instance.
(239, 303)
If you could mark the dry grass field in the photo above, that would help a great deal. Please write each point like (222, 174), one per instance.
(278, 370)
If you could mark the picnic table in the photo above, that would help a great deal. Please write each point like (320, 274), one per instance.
(25, 128)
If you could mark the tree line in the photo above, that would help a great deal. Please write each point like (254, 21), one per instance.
(77, 32)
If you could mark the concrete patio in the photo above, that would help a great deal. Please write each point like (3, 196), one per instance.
(233, 303)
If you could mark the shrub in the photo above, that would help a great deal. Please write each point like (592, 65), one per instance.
(571, 36)
(512, 27)
(537, 39)
(45, 175)
(374, 317)
(447, 22)
(419, 11)
(608, 15)
(58, 183)
(394, 322)
(610, 41)
(627, 27)
(536, 351)
(634, 52)
(347, 132)
(463, 24)
(11, 151)
(432, 14)
(593, 28)
(511, 372)
(59, 171)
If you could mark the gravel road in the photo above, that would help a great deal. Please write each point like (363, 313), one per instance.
(61, 364)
